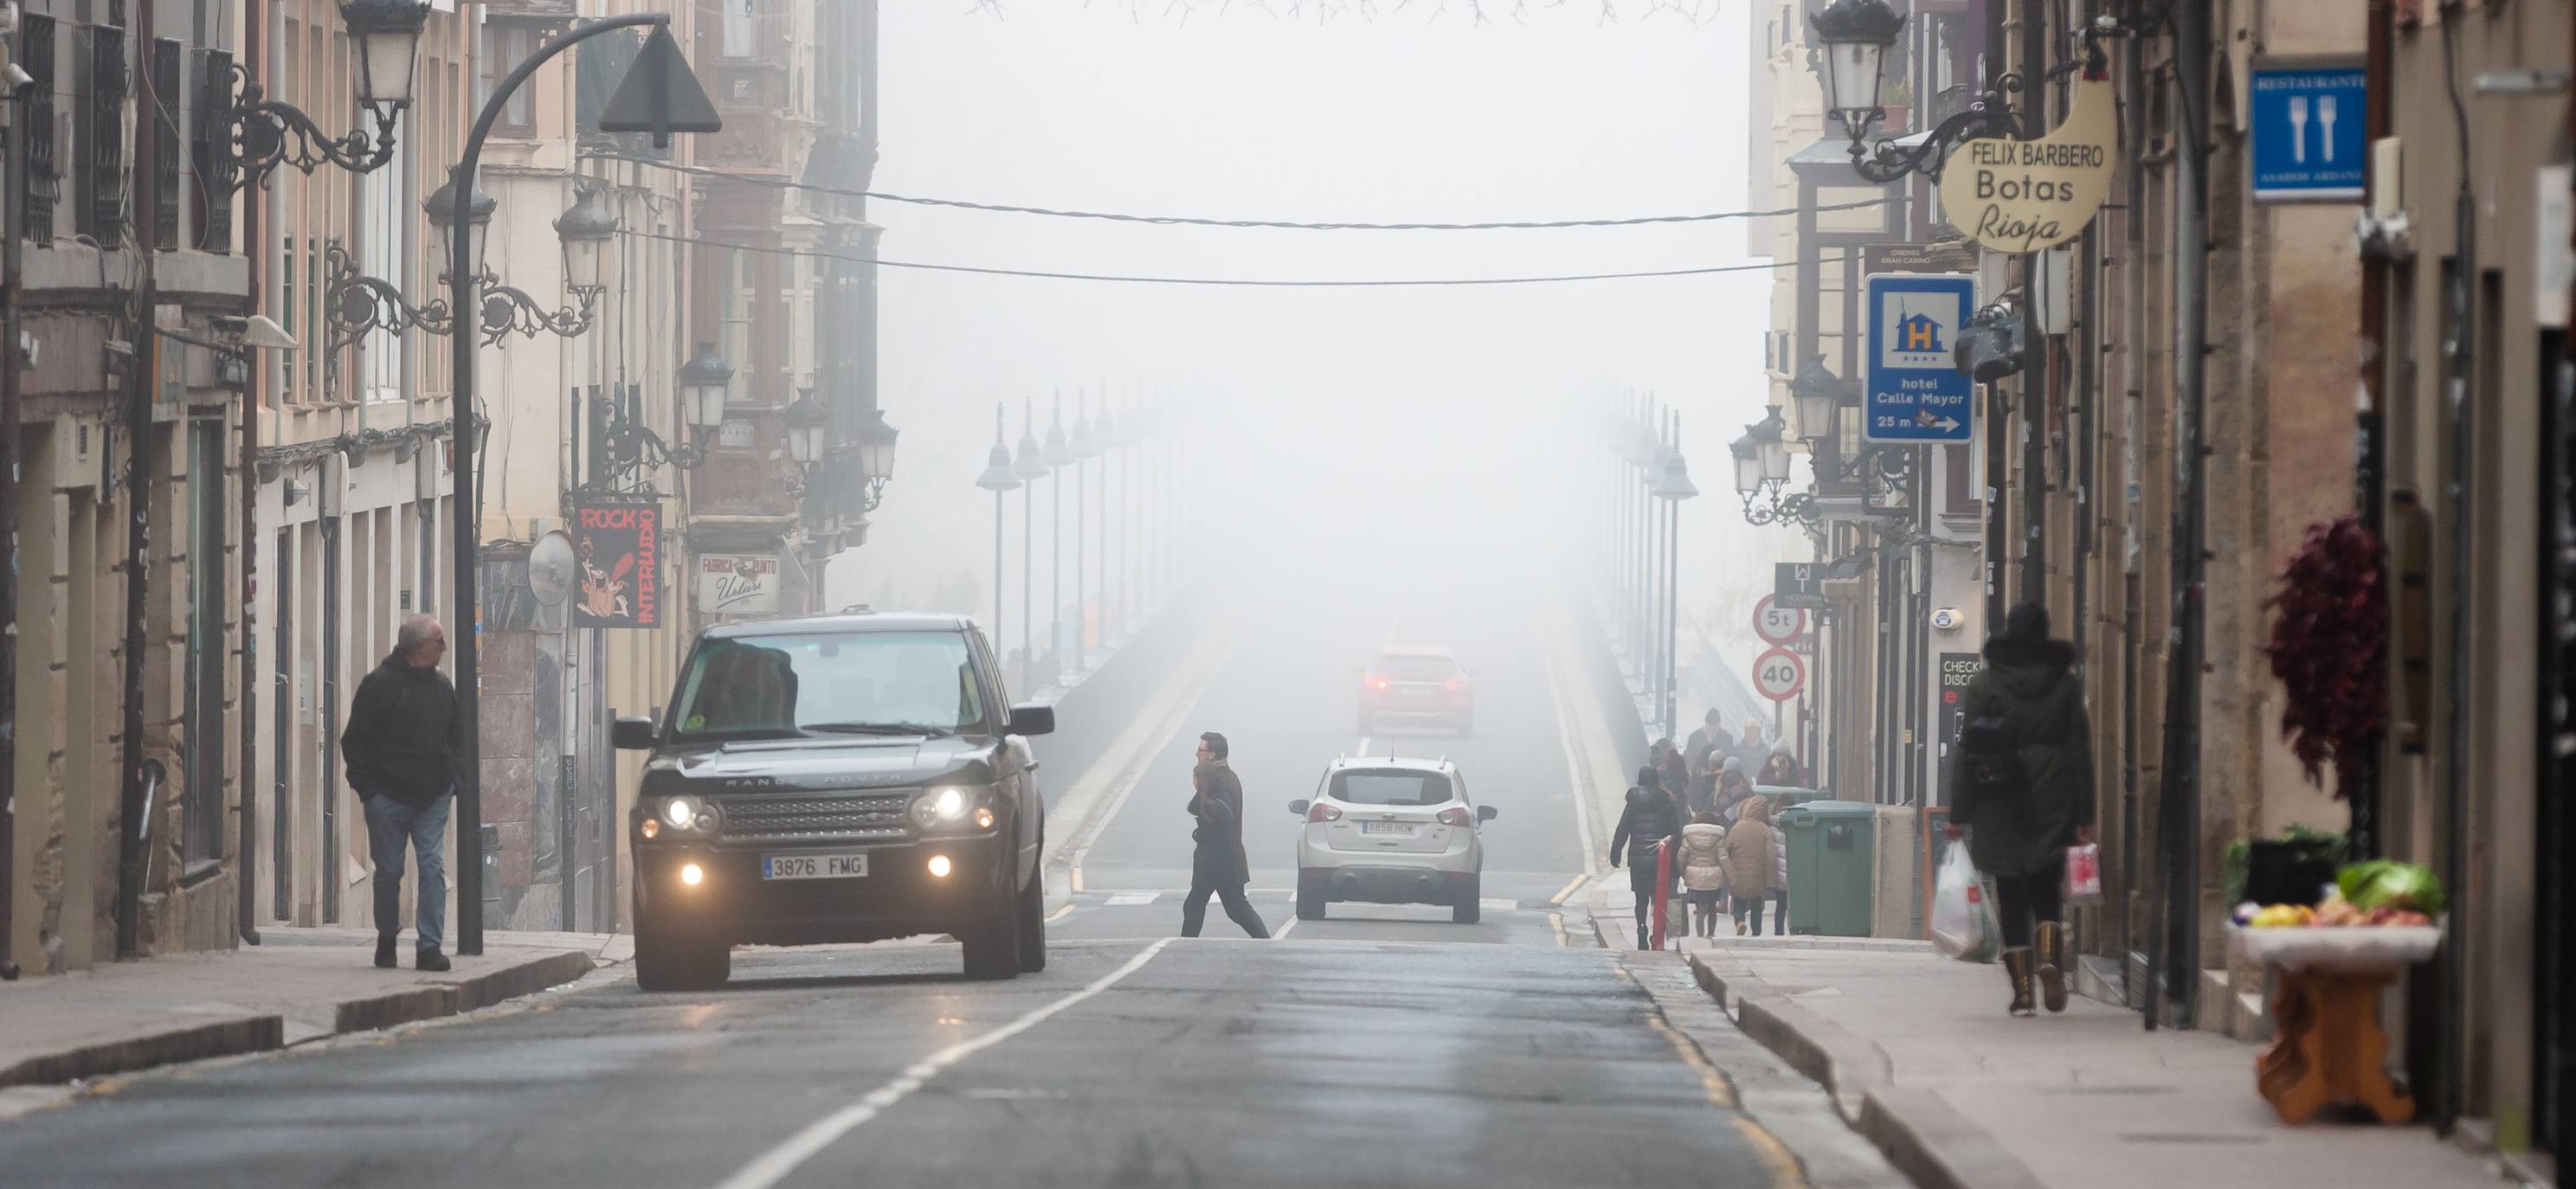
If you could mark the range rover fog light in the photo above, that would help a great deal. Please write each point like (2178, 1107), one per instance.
(983, 819)
(651, 829)
(692, 875)
(939, 866)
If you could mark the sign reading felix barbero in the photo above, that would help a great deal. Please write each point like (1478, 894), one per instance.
(2025, 195)
(620, 547)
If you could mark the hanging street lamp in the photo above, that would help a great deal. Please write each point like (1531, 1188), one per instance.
(254, 134)
(1853, 38)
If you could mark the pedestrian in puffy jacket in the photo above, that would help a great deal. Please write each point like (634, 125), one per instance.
(1650, 818)
(1781, 770)
(2022, 781)
(401, 744)
(1704, 871)
(1753, 866)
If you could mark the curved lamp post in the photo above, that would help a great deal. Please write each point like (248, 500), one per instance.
(1059, 457)
(1673, 485)
(677, 104)
(1081, 446)
(1029, 468)
(999, 479)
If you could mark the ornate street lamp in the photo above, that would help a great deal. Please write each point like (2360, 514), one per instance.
(874, 445)
(441, 209)
(1814, 391)
(362, 304)
(255, 134)
(1762, 471)
(584, 229)
(806, 420)
(1853, 37)
(704, 383)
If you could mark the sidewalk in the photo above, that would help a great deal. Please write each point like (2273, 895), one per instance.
(299, 985)
(1922, 1059)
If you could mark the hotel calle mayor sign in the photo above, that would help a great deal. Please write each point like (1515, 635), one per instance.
(2025, 195)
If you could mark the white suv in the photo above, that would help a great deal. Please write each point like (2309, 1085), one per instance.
(1391, 831)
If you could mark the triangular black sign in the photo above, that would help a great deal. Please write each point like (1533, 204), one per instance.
(659, 95)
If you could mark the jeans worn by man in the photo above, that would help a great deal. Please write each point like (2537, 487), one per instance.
(401, 745)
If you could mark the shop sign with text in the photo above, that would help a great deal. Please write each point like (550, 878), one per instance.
(2025, 195)
(620, 547)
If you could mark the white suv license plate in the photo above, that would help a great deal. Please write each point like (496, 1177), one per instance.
(1386, 827)
(844, 866)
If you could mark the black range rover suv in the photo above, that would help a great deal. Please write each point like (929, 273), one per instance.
(836, 778)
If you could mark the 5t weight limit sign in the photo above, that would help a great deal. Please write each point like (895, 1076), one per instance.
(1779, 674)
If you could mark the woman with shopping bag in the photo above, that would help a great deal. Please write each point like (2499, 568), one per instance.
(2021, 781)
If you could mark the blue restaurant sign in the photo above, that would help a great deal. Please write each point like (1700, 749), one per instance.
(2307, 132)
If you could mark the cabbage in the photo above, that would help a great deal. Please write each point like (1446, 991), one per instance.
(2387, 883)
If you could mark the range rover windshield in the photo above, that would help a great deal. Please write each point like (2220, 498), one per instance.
(835, 683)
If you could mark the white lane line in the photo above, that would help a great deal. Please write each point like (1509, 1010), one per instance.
(1286, 929)
(773, 1165)
(1570, 742)
(1131, 899)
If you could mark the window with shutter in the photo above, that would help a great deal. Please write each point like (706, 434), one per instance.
(215, 176)
(102, 139)
(168, 92)
(44, 170)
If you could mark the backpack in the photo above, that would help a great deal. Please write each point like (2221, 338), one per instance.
(1990, 754)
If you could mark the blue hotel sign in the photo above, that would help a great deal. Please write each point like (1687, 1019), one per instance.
(1912, 390)
(2307, 131)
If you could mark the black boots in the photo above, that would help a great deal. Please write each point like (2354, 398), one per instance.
(428, 958)
(1642, 936)
(2017, 968)
(2051, 941)
(385, 950)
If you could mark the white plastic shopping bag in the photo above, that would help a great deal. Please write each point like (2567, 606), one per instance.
(1963, 923)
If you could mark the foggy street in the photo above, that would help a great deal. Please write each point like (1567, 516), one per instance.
(1157, 594)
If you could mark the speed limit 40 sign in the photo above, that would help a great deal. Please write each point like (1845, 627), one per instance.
(1777, 624)
(1779, 674)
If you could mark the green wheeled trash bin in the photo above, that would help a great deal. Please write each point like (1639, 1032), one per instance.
(1831, 850)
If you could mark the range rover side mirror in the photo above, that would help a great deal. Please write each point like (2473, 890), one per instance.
(632, 734)
(1487, 813)
(1300, 806)
(1032, 719)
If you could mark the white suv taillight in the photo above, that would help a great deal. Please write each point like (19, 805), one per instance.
(1457, 815)
(1324, 811)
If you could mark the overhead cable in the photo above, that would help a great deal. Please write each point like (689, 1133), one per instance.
(1236, 281)
(1187, 221)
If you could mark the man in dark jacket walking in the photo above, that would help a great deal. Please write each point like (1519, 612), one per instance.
(1218, 867)
(1651, 816)
(2022, 790)
(401, 745)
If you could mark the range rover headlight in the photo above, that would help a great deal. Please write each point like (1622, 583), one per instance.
(688, 815)
(943, 808)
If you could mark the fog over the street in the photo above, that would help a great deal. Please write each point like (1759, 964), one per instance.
(1455, 419)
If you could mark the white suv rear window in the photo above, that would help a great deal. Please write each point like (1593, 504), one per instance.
(1390, 787)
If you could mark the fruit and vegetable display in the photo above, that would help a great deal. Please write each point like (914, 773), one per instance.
(2380, 892)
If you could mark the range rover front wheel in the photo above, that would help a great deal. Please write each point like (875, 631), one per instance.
(668, 959)
(993, 943)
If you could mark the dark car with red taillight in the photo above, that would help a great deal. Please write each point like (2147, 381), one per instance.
(1417, 687)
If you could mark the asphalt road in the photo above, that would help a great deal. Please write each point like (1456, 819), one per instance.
(1285, 694)
(1371, 1048)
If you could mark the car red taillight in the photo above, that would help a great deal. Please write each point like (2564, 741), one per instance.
(1455, 684)
(1324, 811)
(1457, 815)
(1376, 683)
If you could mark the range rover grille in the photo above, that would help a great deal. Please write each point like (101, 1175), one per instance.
(816, 817)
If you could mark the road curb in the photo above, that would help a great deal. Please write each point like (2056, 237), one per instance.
(1918, 1132)
(222, 1038)
(265, 1033)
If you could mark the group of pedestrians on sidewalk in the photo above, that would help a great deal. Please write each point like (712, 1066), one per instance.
(1726, 857)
